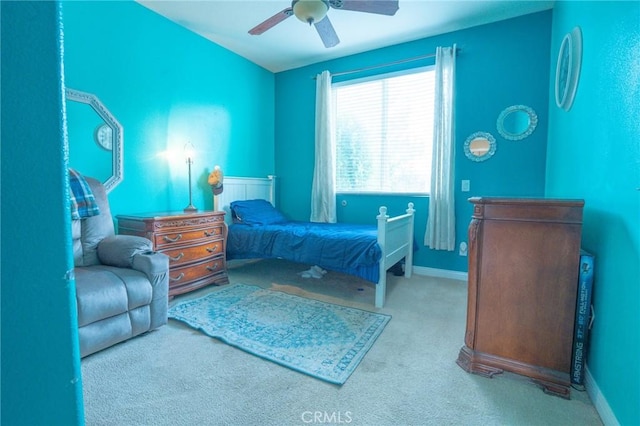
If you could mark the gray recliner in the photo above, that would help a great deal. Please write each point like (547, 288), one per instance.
(121, 283)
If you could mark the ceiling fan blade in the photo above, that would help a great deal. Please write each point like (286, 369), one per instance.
(271, 22)
(327, 33)
(381, 7)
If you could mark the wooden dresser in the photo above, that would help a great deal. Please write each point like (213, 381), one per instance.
(523, 278)
(194, 242)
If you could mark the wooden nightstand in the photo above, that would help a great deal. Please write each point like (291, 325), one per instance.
(195, 243)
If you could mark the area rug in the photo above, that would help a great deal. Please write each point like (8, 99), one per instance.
(323, 340)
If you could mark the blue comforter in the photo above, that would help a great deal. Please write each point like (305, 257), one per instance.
(348, 248)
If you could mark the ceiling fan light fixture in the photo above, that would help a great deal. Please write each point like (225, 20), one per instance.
(310, 11)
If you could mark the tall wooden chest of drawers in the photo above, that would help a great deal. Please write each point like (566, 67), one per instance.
(195, 243)
(523, 277)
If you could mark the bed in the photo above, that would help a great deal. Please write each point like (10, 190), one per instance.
(258, 230)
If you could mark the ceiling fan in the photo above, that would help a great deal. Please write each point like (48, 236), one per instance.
(315, 11)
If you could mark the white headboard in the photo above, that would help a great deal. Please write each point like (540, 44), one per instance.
(245, 188)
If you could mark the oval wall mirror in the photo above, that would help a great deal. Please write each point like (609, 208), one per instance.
(480, 146)
(517, 122)
(95, 139)
(568, 68)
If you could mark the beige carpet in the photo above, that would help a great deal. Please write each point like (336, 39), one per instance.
(179, 376)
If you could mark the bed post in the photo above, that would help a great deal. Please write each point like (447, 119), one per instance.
(381, 286)
(272, 189)
(408, 261)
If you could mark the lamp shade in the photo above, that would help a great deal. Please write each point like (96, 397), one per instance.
(310, 11)
(189, 151)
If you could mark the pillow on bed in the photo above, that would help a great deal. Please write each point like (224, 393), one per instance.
(256, 212)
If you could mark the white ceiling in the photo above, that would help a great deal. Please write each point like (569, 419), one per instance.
(292, 44)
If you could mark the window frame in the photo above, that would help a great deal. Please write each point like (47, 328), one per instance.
(376, 77)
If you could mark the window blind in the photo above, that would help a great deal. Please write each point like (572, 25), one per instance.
(384, 132)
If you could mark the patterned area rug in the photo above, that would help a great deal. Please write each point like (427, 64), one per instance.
(322, 340)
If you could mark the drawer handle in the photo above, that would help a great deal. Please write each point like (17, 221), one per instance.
(172, 240)
(178, 257)
(210, 233)
(211, 249)
(213, 268)
(178, 278)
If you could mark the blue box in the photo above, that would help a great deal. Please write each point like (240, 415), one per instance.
(583, 318)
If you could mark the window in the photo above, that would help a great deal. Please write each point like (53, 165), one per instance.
(384, 133)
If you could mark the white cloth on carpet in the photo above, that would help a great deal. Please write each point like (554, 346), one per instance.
(313, 272)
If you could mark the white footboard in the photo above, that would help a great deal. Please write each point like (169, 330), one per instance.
(395, 238)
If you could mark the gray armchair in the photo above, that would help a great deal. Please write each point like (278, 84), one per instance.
(121, 283)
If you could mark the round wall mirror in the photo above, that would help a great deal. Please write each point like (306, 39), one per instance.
(517, 122)
(95, 139)
(480, 146)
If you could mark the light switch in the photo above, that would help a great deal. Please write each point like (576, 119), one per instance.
(466, 185)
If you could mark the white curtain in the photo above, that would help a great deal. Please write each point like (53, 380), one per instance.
(323, 194)
(441, 223)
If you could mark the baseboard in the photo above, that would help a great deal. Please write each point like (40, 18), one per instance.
(599, 401)
(440, 273)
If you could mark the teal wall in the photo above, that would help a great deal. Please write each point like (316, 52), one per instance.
(594, 154)
(500, 65)
(166, 86)
(40, 355)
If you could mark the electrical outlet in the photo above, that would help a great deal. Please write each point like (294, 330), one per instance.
(463, 249)
(466, 185)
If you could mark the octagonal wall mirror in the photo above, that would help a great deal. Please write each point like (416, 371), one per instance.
(517, 122)
(480, 146)
(95, 139)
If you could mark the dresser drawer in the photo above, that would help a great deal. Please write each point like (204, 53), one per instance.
(182, 255)
(194, 242)
(196, 271)
(182, 237)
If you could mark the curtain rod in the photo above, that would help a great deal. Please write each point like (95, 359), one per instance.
(388, 64)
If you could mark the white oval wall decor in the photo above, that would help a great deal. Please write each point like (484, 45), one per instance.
(568, 68)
